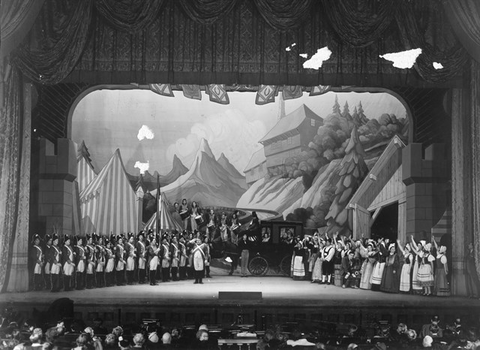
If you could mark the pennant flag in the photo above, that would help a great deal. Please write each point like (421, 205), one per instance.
(265, 94)
(192, 91)
(218, 93)
(319, 90)
(291, 92)
(162, 89)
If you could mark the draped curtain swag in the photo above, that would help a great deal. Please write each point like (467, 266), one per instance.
(129, 15)
(222, 41)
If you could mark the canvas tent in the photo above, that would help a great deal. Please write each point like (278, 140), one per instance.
(163, 218)
(108, 203)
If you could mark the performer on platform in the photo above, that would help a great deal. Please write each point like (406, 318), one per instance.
(199, 258)
(165, 258)
(131, 257)
(120, 261)
(48, 261)
(195, 217)
(441, 287)
(68, 256)
(110, 262)
(182, 263)
(224, 232)
(185, 214)
(297, 261)
(101, 262)
(391, 276)
(142, 257)
(38, 259)
(425, 271)
(211, 220)
(152, 253)
(207, 246)
(91, 262)
(379, 266)
(56, 264)
(405, 274)
(80, 263)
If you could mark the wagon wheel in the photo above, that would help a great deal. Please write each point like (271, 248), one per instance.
(258, 266)
(285, 265)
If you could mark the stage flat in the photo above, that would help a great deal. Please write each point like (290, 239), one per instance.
(281, 291)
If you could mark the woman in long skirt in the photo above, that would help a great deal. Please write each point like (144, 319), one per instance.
(367, 266)
(418, 252)
(298, 266)
(425, 271)
(405, 273)
(390, 278)
(317, 264)
(441, 287)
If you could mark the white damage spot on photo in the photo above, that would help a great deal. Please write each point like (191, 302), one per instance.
(437, 65)
(304, 55)
(142, 166)
(403, 59)
(316, 61)
(289, 48)
(145, 133)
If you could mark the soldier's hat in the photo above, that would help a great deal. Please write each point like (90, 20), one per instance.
(120, 236)
(141, 233)
(66, 238)
(36, 236)
(55, 236)
(48, 237)
(88, 236)
(130, 235)
(95, 236)
(106, 240)
(150, 231)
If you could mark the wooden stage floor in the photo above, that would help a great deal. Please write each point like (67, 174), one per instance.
(222, 298)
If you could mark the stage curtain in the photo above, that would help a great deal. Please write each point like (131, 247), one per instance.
(475, 130)
(129, 15)
(16, 19)
(10, 168)
(55, 57)
(284, 14)
(464, 16)
(413, 19)
(360, 23)
(207, 11)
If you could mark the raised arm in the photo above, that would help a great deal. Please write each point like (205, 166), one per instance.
(414, 244)
(400, 247)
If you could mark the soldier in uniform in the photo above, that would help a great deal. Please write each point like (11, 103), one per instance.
(56, 264)
(120, 261)
(199, 258)
(110, 262)
(131, 257)
(152, 262)
(68, 258)
(182, 263)
(175, 257)
(91, 262)
(37, 257)
(80, 259)
(165, 258)
(48, 261)
(142, 257)
(100, 257)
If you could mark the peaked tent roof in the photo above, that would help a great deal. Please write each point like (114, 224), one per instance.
(290, 122)
(108, 203)
(167, 222)
(85, 173)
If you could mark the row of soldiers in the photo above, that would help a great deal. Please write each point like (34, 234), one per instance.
(98, 261)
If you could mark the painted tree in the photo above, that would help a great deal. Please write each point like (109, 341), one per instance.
(352, 172)
(82, 151)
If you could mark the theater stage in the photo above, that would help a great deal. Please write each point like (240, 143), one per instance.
(258, 300)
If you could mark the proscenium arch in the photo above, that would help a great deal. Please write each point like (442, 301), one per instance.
(91, 89)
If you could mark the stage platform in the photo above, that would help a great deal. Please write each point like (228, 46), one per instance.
(257, 300)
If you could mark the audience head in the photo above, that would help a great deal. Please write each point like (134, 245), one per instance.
(36, 335)
(427, 341)
(110, 339)
(166, 338)
(153, 337)
(202, 335)
(82, 340)
(138, 339)
(352, 346)
(123, 344)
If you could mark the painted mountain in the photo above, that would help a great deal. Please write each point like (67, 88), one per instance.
(149, 181)
(207, 181)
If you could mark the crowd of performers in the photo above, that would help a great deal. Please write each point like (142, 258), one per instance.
(379, 265)
(94, 261)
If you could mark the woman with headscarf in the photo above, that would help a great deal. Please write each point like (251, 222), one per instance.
(417, 249)
(405, 273)
(298, 266)
(368, 254)
(390, 278)
(441, 287)
(425, 271)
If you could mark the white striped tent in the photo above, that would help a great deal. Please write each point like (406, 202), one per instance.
(167, 222)
(85, 173)
(108, 203)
